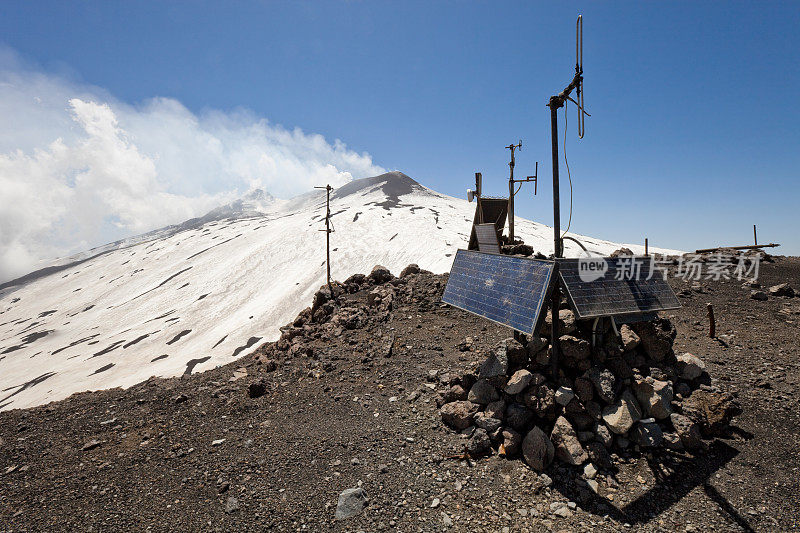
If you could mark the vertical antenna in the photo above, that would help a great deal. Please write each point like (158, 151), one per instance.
(328, 230)
(557, 101)
(579, 72)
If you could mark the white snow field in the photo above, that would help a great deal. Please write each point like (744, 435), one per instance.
(190, 297)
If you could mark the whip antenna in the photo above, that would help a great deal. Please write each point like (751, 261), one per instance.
(556, 102)
(579, 73)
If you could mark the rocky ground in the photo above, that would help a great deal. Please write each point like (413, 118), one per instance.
(350, 406)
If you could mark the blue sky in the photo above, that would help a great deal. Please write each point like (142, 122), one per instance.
(694, 131)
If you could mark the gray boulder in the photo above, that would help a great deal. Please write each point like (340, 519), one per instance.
(351, 502)
(495, 365)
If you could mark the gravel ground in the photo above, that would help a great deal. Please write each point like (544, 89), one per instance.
(197, 453)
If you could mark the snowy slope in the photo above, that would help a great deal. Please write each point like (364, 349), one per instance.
(193, 296)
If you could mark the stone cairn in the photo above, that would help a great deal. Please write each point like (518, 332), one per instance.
(626, 393)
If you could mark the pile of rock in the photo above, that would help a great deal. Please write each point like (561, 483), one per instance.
(624, 392)
(330, 316)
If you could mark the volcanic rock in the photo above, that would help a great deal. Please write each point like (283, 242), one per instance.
(690, 366)
(458, 415)
(380, 274)
(654, 397)
(518, 416)
(657, 337)
(537, 450)
(512, 442)
(604, 383)
(486, 422)
(622, 415)
(630, 340)
(647, 433)
(413, 268)
(565, 441)
(782, 289)
(713, 411)
(564, 395)
(687, 430)
(483, 392)
(518, 382)
(351, 502)
(479, 443)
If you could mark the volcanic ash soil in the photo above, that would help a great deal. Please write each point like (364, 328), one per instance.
(338, 426)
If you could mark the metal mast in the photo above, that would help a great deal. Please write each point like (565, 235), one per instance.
(328, 230)
(556, 102)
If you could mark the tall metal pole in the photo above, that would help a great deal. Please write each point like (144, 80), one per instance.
(328, 235)
(511, 163)
(755, 236)
(328, 232)
(555, 301)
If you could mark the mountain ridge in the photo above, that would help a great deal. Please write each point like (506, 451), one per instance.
(207, 292)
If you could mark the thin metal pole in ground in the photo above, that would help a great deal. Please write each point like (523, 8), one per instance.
(328, 232)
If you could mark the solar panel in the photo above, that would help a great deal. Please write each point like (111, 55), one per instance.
(487, 238)
(621, 290)
(508, 290)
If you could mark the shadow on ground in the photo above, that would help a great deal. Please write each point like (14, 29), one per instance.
(676, 476)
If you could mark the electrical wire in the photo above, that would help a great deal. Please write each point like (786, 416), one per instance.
(569, 176)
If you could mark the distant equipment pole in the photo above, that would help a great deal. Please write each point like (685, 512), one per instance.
(512, 192)
(328, 230)
(511, 163)
(556, 102)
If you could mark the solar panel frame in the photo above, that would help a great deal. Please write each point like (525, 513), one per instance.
(510, 291)
(487, 238)
(609, 296)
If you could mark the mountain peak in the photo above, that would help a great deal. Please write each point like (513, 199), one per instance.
(393, 184)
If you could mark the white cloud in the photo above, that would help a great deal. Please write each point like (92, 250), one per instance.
(79, 168)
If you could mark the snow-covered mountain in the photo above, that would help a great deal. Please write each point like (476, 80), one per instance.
(203, 293)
